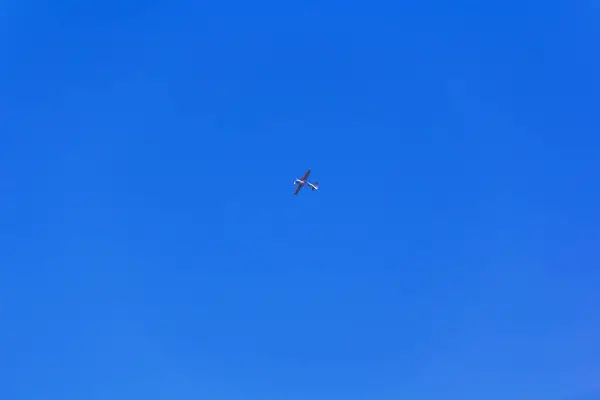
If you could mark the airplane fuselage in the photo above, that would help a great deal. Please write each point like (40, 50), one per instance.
(302, 183)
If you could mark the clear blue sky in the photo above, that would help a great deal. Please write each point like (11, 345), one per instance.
(152, 247)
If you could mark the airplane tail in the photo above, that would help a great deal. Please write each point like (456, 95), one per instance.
(315, 185)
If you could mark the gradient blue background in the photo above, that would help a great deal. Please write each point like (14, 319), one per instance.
(152, 247)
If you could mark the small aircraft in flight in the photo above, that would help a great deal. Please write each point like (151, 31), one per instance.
(303, 181)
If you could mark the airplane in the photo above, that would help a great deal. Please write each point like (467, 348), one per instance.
(303, 181)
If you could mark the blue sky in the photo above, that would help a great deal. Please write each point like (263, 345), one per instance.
(152, 247)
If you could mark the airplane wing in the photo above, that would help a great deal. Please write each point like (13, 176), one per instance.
(298, 188)
(306, 174)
